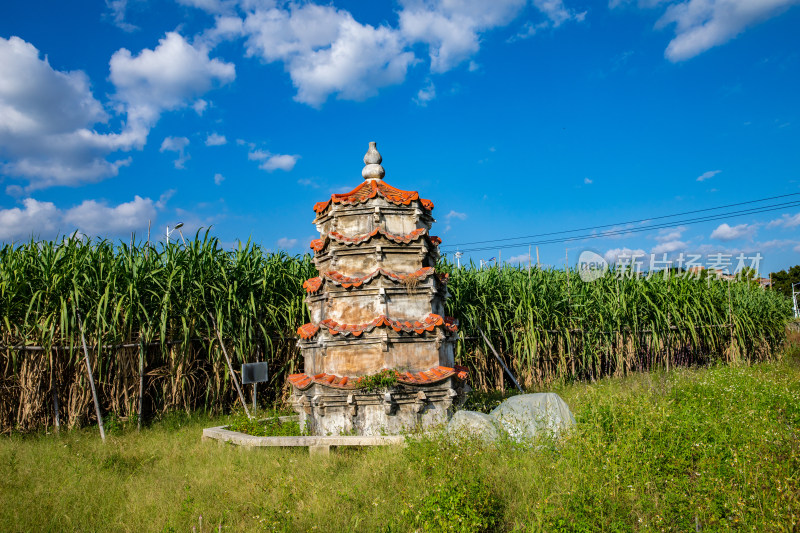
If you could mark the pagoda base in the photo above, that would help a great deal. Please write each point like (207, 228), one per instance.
(398, 409)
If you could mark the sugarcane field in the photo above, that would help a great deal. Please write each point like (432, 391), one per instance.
(409, 266)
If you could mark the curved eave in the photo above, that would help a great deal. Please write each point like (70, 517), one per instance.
(428, 377)
(318, 245)
(429, 323)
(315, 284)
(370, 189)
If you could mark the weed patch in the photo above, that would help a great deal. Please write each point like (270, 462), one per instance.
(375, 382)
(271, 427)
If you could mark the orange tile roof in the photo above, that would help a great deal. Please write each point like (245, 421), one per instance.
(370, 189)
(428, 377)
(319, 244)
(308, 331)
(314, 284)
(356, 239)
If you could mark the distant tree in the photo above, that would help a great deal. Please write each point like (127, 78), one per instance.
(782, 281)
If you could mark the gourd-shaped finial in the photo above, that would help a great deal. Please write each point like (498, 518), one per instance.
(372, 161)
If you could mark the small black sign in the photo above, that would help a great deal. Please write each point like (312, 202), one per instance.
(254, 373)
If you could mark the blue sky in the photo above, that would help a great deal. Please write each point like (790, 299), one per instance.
(516, 118)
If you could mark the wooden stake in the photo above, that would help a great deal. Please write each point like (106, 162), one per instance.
(255, 384)
(230, 367)
(141, 351)
(141, 384)
(500, 359)
(569, 315)
(537, 258)
(730, 321)
(54, 392)
(91, 378)
(55, 410)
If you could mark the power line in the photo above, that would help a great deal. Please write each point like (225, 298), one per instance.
(720, 216)
(449, 246)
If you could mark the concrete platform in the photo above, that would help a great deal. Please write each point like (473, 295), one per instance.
(315, 444)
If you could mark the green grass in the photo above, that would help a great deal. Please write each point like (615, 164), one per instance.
(268, 427)
(715, 449)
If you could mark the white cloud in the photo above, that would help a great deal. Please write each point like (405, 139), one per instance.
(257, 155)
(270, 161)
(118, 9)
(708, 175)
(225, 28)
(210, 6)
(48, 117)
(286, 243)
(218, 179)
(327, 52)
(522, 258)
(704, 24)
(644, 4)
(617, 232)
(215, 139)
(529, 29)
(46, 121)
(556, 12)
(308, 183)
(670, 234)
(587, 181)
(176, 144)
(724, 232)
(43, 220)
(451, 29)
(450, 216)
(200, 106)
(669, 247)
(455, 214)
(426, 94)
(786, 221)
(165, 78)
(164, 198)
(279, 162)
(35, 219)
(612, 256)
(96, 218)
(775, 244)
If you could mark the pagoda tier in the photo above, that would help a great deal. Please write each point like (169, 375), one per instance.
(378, 304)
(408, 298)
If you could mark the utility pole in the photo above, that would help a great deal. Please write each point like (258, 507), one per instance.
(458, 255)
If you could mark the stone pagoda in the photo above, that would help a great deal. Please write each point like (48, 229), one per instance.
(376, 308)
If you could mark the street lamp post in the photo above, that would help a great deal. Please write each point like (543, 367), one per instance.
(178, 227)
